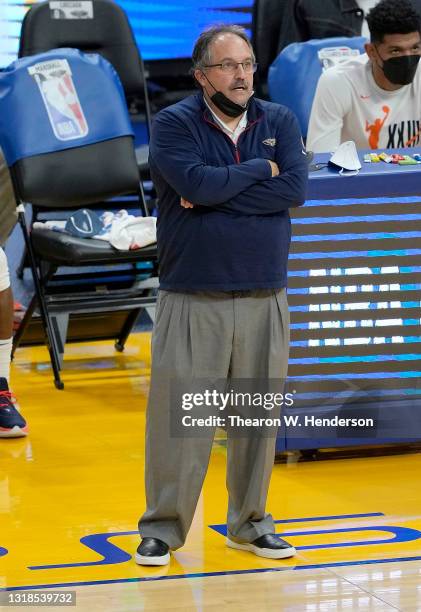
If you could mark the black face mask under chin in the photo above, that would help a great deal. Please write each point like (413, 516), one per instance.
(227, 106)
(400, 70)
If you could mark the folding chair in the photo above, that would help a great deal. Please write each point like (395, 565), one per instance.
(102, 27)
(68, 142)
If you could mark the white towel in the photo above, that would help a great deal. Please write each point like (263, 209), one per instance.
(123, 231)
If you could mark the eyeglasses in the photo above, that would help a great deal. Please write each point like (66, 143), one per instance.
(230, 67)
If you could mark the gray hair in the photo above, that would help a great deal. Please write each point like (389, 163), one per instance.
(201, 55)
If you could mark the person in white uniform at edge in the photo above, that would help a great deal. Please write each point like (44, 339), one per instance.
(373, 99)
(12, 424)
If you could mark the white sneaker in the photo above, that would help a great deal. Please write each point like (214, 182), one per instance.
(268, 546)
(152, 551)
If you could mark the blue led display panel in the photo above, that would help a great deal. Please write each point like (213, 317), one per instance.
(164, 30)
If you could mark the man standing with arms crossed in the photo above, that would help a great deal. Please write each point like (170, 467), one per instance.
(227, 167)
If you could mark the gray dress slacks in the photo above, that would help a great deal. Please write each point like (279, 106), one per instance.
(210, 335)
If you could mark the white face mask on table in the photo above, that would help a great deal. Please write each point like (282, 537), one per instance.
(346, 158)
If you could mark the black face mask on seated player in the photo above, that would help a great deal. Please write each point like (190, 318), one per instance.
(400, 70)
(225, 105)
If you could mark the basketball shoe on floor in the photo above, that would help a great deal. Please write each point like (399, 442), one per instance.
(152, 551)
(269, 546)
(12, 424)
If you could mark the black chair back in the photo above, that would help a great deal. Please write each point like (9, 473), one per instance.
(266, 27)
(106, 32)
(78, 177)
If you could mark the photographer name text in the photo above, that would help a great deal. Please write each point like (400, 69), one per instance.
(235, 420)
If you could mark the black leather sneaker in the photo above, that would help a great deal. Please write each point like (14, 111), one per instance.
(269, 546)
(152, 551)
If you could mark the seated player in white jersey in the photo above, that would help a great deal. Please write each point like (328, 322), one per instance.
(373, 99)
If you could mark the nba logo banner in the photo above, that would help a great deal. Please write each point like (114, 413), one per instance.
(54, 80)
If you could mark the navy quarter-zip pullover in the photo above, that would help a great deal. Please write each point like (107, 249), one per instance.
(237, 235)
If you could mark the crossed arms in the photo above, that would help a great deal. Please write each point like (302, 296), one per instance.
(257, 186)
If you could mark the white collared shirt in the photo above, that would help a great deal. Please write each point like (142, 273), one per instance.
(366, 6)
(233, 134)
